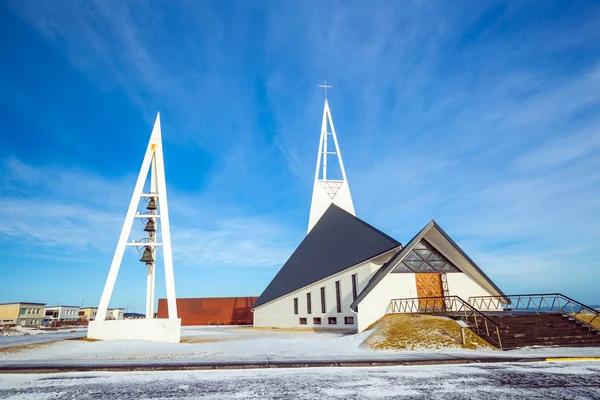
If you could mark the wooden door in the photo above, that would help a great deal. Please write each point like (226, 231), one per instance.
(430, 285)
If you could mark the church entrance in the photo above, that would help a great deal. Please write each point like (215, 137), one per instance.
(430, 285)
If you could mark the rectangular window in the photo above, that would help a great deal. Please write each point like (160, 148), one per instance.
(23, 311)
(354, 287)
(338, 296)
(296, 306)
(317, 321)
(332, 320)
(323, 300)
(308, 304)
(302, 321)
(349, 320)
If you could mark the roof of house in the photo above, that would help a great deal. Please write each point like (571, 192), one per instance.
(23, 302)
(468, 266)
(338, 241)
(62, 305)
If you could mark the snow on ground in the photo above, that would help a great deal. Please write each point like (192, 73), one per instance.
(28, 331)
(16, 340)
(246, 344)
(499, 381)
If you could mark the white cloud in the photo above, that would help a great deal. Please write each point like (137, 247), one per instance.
(74, 211)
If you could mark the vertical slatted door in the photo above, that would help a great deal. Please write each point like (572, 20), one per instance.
(430, 285)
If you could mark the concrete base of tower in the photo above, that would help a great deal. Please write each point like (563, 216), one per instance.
(157, 329)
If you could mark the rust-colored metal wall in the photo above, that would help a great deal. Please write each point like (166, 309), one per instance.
(212, 310)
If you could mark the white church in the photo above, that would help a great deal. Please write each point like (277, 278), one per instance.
(345, 272)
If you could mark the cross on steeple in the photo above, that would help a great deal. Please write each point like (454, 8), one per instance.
(324, 86)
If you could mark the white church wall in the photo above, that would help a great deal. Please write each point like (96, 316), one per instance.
(280, 312)
(461, 285)
(375, 305)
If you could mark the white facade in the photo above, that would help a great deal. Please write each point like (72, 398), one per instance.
(375, 305)
(61, 313)
(404, 286)
(114, 313)
(280, 312)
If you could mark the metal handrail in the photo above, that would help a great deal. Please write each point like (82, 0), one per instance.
(483, 323)
(539, 303)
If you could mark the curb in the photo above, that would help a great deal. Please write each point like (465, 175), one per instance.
(54, 368)
(57, 368)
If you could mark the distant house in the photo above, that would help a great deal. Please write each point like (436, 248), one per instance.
(22, 314)
(61, 313)
(115, 313)
(132, 315)
(88, 313)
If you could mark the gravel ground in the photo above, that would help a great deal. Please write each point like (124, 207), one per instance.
(565, 380)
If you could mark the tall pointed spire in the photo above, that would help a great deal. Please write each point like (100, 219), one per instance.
(327, 191)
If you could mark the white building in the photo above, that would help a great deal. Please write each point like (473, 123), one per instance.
(345, 272)
(61, 313)
(115, 313)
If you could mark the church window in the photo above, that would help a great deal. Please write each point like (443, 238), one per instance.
(308, 304)
(338, 298)
(296, 306)
(425, 258)
(332, 320)
(317, 321)
(323, 308)
(302, 321)
(349, 320)
(354, 288)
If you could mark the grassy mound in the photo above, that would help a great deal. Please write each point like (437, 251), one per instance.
(419, 332)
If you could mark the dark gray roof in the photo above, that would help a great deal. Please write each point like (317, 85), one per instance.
(388, 266)
(338, 241)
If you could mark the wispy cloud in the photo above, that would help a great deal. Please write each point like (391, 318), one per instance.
(76, 211)
(480, 116)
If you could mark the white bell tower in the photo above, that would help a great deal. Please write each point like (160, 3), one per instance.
(327, 191)
(156, 214)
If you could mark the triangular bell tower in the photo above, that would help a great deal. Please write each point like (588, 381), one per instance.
(155, 215)
(328, 191)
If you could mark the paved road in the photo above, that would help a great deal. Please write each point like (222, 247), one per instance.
(566, 380)
(7, 341)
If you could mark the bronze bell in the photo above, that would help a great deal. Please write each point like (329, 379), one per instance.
(147, 256)
(150, 226)
(151, 204)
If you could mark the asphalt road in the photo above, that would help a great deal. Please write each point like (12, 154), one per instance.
(565, 380)
(7, 341)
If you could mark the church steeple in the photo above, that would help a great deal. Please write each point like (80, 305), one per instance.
(328, 191)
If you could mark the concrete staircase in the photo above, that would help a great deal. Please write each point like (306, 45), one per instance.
(544, 329)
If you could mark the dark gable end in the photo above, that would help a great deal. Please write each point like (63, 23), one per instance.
(337, 242)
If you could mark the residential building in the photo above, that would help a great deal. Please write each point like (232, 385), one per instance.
(115, 313)
(61, 313)
(132, 315)
(88, 313)
(22, 314)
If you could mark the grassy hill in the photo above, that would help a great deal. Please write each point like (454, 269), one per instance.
(416, 332)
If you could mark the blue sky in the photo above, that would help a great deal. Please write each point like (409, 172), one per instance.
(482, 115)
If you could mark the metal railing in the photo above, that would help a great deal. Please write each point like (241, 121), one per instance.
(481, 323)
(540, 303)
